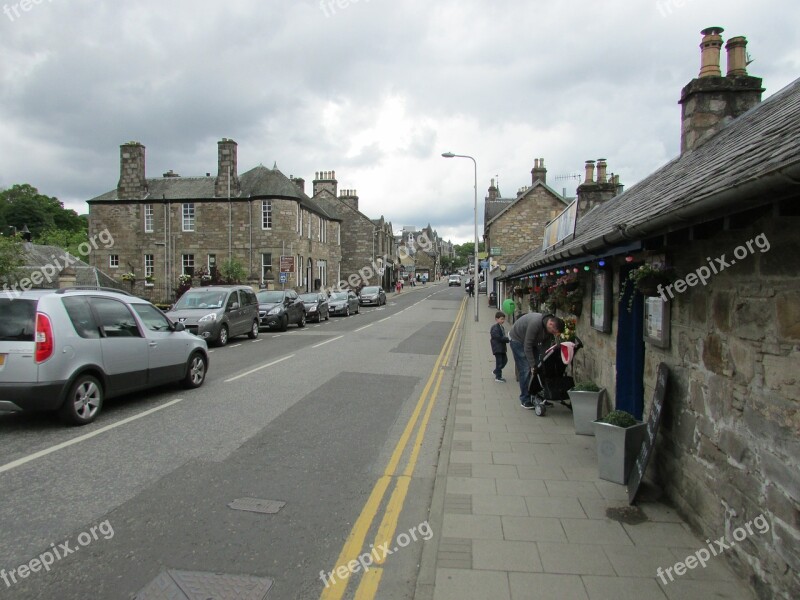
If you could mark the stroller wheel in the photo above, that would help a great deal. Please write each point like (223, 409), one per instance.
(540, 410)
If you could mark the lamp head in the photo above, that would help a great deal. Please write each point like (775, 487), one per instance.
(448, 154)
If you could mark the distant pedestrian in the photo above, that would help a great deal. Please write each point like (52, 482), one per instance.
(398, 286)
(499, 339)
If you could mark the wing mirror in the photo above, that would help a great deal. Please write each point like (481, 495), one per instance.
(178, 327)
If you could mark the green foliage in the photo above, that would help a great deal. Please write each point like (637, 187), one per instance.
(233, 271)
(466, 250)
(22, 204)
(620, 418)
(11, 258)
(63, 238)
(586, 386)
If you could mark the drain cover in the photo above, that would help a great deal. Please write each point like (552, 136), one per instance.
(258, 505)
(195, 585)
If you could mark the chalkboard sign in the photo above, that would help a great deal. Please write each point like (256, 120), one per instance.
(653, 422)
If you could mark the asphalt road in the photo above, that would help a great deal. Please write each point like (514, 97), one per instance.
(309, 417)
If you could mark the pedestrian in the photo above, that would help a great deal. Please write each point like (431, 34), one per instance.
(527, 335)
(499, 339)
(398, 286)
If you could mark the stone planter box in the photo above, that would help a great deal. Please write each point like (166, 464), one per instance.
(586, 408)
(617, 448)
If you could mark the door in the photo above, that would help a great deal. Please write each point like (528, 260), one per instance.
(125, 351)
(630, 350)
(233, 310)
(167, 352)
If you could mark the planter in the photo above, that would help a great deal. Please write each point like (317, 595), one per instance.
(585, 410)
(617, 448)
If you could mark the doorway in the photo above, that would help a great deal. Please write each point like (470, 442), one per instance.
(630, 348)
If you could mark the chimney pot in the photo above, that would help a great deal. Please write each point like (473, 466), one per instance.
(709, 52)
(601, 170)
(589, 172)
(737, 56)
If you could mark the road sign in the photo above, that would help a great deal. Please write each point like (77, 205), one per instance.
(497, 252)
(283, 277)
(287, 264)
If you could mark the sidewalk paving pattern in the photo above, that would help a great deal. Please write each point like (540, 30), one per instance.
(525, 515)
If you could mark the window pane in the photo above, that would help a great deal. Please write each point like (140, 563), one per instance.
(152, 318)
(115, 318)
(17, 320)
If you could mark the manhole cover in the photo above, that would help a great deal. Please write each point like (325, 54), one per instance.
(195, 585)
(258, 505)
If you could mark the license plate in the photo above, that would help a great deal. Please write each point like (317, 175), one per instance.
(2, 359)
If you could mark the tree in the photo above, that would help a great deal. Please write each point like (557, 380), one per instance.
(233, 271)
(22, 204)
(11, 258)
(64, 239)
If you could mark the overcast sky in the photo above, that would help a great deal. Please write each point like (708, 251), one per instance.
(373, 89)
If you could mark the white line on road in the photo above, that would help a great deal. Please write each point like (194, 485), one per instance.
(251, 371)
(328, 342)
(386, 319)
(365, 326)
(235, 345)
(258, 340)
(82, 438)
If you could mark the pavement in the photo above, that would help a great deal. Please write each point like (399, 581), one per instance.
(519, 512)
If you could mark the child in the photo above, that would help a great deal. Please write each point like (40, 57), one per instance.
(499, 339)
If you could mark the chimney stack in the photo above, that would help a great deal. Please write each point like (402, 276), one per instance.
(350, 198)
(591, 192)
(226, 168)
(711, 101)
(300, 183)
(538, 173)
(132, 183)
(589, 172)
(325, 181)
(492, 192)
(601, 170)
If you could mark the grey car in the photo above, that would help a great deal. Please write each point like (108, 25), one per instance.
(218, 313)
(68, 350)
(343, 303)
(372, 294)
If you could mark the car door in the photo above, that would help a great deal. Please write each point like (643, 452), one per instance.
(294, 307)
(249, 308)
(167, 353)
(233, 311)
(123, 345)
(353, 301)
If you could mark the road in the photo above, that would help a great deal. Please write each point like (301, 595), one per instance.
(340, 421)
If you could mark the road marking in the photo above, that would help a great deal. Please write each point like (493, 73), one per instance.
(365, 326)
(328, 342)
(31, 457)
(357, 537)
(235, 346)
(251, 371)
(368, 587)
(386, 319)
(278, 335)
(258, 340)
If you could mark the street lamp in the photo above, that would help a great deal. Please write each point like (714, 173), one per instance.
(475, 276)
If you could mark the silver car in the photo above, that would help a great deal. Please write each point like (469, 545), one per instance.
(218, 313)
(67, 350)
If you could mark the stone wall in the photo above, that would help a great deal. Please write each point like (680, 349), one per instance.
(729, 446)
(521, 227)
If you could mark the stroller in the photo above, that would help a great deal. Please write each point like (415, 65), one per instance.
(551, 381)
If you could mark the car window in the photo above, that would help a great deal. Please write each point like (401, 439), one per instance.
(200, 299)
(17, 320)
(270, 297)
(153, 319)
(82, 317)
(248, 297)
(115, 318)
(234, 297)
(292, 295)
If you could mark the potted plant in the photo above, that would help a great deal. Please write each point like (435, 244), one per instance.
(586, 399)
(646, 279)
(619, 438)
(130, 276)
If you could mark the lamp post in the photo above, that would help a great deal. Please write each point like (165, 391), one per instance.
(475, 276)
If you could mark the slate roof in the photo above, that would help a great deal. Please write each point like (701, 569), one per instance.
(754, 156)
(492, 208)
(259, 182)
(538, 183)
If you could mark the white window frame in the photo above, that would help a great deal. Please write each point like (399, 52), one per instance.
(113, 261)
(266, 214)
(148, 218)
(299, 224)
(149, 267)
(309, 226)
(188, 216)
(265, 265)
(187, 260)
(338, 234)
(301, 217)
(319, 228)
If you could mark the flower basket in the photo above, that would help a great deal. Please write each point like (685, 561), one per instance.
(129, 277)
(648, 285)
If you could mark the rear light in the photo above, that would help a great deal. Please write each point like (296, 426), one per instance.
(44, 338)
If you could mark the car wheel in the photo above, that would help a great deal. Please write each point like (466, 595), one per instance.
(223, 336)
(302, 322)
(253, 331)
(84, 401)
(284, 323)
(195, 371)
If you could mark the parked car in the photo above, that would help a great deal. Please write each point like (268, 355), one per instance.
(280, 308)
(454, 280)
(218, 313)
(343, 303)
(372, 294)
(316, 306)
(68, 350)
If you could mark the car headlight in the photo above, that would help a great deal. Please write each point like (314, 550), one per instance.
(211, 317)
(275, 311)
(312, 308)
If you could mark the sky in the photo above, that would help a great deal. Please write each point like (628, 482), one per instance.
(372, 89)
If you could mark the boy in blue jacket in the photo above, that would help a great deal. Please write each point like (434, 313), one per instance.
(499, 339)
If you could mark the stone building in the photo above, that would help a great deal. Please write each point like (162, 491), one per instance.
(367, 244)
(419, 252)
(724, 215)
(174, 226)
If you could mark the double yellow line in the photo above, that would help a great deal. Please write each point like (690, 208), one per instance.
(370, 580)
